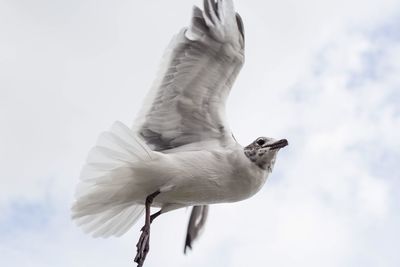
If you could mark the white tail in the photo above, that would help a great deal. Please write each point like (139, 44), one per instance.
(104, 205)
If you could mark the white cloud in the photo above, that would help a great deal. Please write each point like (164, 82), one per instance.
(324, 76)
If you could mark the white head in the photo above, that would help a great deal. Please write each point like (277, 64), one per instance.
(263, 150)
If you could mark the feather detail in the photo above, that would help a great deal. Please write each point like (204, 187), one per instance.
(104, 205)
(196, 225)
(187, 101)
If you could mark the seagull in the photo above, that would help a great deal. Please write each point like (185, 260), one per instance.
(180, 151)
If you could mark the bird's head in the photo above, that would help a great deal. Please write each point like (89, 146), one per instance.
(263, 151)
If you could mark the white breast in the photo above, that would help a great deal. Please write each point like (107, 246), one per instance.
(207, 177)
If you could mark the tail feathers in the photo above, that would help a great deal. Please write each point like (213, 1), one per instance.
(113, 222)
(117, 147)
(104, 204)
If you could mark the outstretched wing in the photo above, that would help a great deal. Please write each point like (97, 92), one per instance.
(187, 102)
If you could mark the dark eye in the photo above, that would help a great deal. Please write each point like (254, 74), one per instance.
(260, 142)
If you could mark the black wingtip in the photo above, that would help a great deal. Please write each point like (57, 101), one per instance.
(206, 7)
(188, 243)
(240, 24)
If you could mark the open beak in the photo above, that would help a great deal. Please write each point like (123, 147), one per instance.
(278, 144)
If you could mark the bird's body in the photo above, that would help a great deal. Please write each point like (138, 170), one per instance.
(180, 152)
(203, 177)
(185, 178)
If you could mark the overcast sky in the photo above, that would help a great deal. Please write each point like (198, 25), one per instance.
(323, 74)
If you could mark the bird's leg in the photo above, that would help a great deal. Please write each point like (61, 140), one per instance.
(155, 215)
(143, 244)
(152, 217)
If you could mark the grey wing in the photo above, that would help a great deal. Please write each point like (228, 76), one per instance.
(196, 224)
(187, 102)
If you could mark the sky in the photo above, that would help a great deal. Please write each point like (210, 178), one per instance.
(323, 74)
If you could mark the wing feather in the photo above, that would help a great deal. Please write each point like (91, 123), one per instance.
(196, 225)
(187, 102)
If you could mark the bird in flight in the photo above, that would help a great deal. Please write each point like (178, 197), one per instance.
(180, 151)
